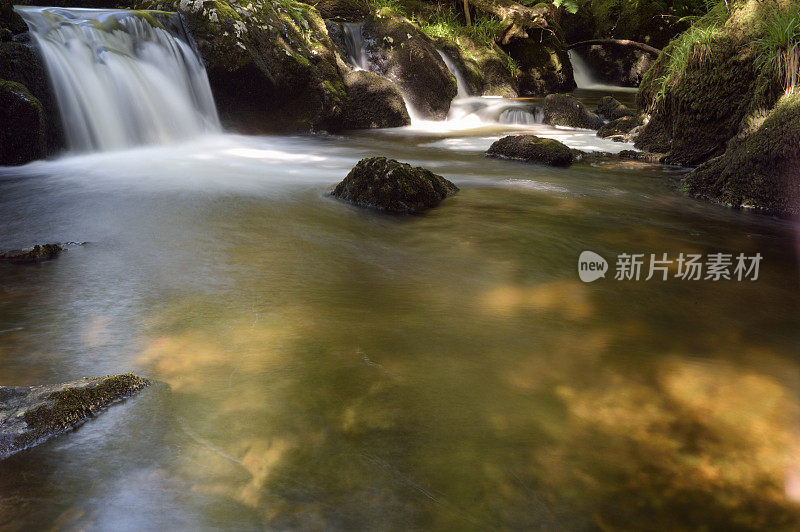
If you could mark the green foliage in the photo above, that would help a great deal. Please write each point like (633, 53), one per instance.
(778, 50)
(690, 49)
(444, 23)
(570, 6)
(395, 5)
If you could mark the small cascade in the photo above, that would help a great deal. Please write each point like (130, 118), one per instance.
(521, 117)
(354, 42)
(122, 78)
(493, 110)
(584, 78)
(463, 89)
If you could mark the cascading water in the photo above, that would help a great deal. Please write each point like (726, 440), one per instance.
(354, 42)
(461, 83)
(476, 109)
(122, 78)
(584, 78)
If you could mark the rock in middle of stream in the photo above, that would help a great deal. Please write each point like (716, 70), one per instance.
(393, 186)
(30, 415)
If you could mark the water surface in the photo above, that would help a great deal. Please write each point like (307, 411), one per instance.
(325, 366)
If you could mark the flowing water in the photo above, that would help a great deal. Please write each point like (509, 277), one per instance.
(323, 366)
(122, 78)
(326, 366)
(585, 79)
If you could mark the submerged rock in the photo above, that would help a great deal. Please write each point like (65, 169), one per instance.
(619, 129)
(22, 125)
(400, 51)
(611, 109)
(393, 186)
(566, 110)
(532, 149)
(37, 253)
(372, 102)
(762, 170)
(644, 156)
(30, 415)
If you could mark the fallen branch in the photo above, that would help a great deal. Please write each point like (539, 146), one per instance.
(620, 42)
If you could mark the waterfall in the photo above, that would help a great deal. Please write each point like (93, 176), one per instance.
(354, 42)
(463, 90)
(584, 78)
(122, 78)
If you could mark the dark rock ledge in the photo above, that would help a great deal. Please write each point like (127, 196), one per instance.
(30, 415)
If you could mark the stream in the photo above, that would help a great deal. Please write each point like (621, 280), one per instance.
(324, 366)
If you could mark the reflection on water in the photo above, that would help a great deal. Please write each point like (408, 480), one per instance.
(330, 367)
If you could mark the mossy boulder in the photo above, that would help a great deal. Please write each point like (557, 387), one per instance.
(393, 186)
(372, 102)
(761, 170)
(610, 108)
(619, 129)
(533, 149)
(32, 255)
(544, 65)
(22, 125)
(10, 22)
(566, 110)
(400, 51)
(487, 69)
(30, 415)
(343, 10)
(271, 65)
(20, 63)
(698, 107)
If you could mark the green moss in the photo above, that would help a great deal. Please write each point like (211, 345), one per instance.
(72, 405)
(533, 149)
(393, 186)
(760, 170)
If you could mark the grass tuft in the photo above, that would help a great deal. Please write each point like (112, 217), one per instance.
(778, 50)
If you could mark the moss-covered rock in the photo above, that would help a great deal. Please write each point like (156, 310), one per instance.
(31, 415)
(372, 102)
(619, 129)
(10, 22)
(343, 10)
(486, 68)
(393, 186)
(610, 108)
(544, 65)
(762, 170)
(533, 149)
(566, 110)
(22, 125)
(271, 65)
(37, 253)
(400, 51)
(697, 106)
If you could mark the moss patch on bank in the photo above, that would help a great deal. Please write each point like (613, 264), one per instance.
(760, 171)
(707, 85)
